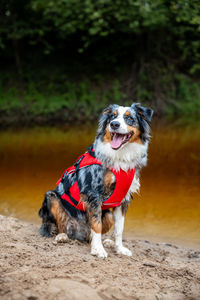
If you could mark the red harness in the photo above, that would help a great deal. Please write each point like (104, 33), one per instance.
(123, 183)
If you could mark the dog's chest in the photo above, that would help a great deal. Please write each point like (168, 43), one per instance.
(134, 188)
(110, 182)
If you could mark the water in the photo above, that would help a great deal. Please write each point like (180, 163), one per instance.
(167, 208)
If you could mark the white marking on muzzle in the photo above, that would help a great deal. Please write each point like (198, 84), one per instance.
(123, 128)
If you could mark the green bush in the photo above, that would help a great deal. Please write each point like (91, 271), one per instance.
(73, 101)
(185, 102)
(170, 93)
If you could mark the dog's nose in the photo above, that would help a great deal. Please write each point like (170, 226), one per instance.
(114, 124)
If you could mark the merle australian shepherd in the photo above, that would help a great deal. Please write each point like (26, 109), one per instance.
(94, 194)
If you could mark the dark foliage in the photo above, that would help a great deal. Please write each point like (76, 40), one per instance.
(145, 46)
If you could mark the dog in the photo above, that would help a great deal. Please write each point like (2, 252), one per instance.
(94, 194)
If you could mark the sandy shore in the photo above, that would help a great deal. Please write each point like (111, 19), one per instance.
(32, 267)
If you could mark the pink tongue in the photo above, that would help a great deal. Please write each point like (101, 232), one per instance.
(116, 142)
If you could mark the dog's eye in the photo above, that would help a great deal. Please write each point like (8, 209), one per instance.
(130, 118)
(113, 116)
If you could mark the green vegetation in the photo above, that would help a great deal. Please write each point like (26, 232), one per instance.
(39, 101)
(70, 101)
(185, 101)
(66, 60)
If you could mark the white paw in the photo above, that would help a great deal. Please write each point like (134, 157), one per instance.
(99, 252)
(61, 238)
(123, 250)
(108, 243)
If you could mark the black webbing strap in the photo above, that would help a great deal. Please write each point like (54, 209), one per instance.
(77, 163)
(91, 151)
(65, 179)
(67, 183)
(71, 198)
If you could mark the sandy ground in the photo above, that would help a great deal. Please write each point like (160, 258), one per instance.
(33, 267)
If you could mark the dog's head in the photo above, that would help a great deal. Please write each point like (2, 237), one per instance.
(119, 125)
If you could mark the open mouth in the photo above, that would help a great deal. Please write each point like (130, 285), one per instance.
(118, 139)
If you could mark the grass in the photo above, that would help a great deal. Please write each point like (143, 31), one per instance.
(58, 98)
(79, 101)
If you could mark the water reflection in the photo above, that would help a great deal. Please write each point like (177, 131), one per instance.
(167, 208)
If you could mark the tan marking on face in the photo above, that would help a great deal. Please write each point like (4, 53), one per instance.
(136, 136)
(114, 112)
(107, 222)
(107, 137)
(107, 111)
(127, 113)
(59, 215)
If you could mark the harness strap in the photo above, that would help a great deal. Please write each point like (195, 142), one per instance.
(77, 163)
(91, 151)
(71, 198)
(66, 183)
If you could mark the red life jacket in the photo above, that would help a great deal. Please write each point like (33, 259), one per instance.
(123, 183)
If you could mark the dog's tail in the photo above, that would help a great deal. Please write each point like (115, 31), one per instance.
(48, 227)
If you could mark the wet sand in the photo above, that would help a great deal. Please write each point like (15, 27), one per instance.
(33, 267)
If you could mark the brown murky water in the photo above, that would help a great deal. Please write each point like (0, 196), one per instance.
(167, 208)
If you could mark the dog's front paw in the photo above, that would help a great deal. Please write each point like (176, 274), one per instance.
(108, 243)
(100, 252)
(61, 238)
(123, 250)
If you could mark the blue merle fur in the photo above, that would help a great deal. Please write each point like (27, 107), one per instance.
(90, 179)
(140, 118)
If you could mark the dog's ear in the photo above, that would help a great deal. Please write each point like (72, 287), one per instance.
(144, 112)
(144, 116)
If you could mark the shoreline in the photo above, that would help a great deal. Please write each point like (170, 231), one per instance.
(33, 267)
(136, 234)
(17, 122)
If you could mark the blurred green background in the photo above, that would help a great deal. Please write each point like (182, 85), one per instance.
(65, 60)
